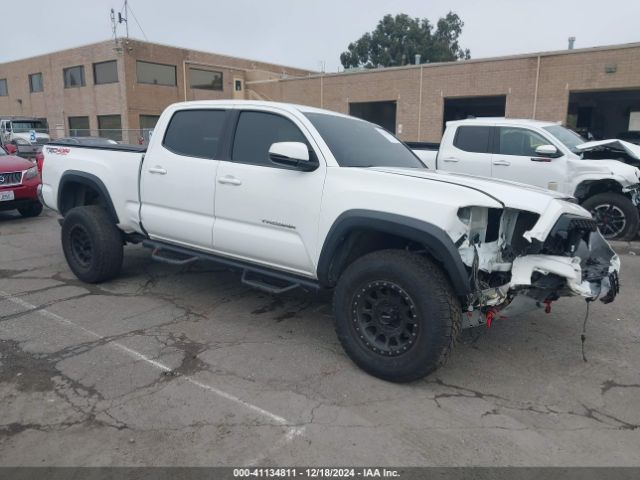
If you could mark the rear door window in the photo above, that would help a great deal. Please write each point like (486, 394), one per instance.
(473, 138)
(195, 133)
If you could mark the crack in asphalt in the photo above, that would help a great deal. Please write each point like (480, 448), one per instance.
(40, 373)
(610, 384)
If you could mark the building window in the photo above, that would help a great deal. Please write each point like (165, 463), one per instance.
(156, 73)
(105, 72)
(147, 124)
(35, 82)
(74, 77)
(110, 126)
(238, 85)
(79, 127)
(4, 91)
(205, 79)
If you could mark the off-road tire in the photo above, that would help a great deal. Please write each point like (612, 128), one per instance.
(92, 244)
(437, 313)
(622, 204)
(32, 210)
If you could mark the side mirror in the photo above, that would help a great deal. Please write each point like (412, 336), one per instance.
(294, 155)
(11, 149)
(549, 151)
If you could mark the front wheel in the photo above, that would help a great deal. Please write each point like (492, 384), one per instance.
(92, 244)
(396, 315)
(32, 210)
(615, 214)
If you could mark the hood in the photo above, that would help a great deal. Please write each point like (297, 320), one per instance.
(11, 163)
(629, 148)
(511, 194)
(607, 168)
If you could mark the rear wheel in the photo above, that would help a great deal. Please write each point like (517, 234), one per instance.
(396, 315)
(616, 215)
(92, 244)
(32, 210)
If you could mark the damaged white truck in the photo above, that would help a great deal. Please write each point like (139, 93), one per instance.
(546, 155)
(294, 196)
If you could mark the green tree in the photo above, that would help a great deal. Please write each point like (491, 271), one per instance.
(396, 41)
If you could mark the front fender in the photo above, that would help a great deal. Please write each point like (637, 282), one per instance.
(434, 239)
(581, 184)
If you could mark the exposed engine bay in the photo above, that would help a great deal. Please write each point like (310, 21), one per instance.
(513, 268)
(612, 149)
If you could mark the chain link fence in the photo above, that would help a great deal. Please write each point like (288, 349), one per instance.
(29, 143)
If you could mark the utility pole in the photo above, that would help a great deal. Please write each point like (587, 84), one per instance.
(125, 19)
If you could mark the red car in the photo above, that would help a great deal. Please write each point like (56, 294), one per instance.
(19, 180)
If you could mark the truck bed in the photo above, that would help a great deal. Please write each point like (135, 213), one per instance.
(423, 145)
(115, 167)
(426, 151)
(119, 147)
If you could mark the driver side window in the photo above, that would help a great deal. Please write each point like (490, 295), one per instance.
(257, 131)
(518, 141)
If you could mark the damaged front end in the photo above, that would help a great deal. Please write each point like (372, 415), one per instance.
(519, 261)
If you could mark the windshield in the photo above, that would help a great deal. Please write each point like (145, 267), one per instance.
(26, 125)
(355, 143)
(569, 138)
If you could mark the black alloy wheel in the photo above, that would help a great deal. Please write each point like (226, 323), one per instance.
(385, 317)
(81, 246)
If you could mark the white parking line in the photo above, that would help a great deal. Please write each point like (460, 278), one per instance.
(287, 438)
(291, 434)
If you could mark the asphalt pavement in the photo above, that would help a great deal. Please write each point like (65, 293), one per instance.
(187, 366)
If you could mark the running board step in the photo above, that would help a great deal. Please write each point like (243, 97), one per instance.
(267, 283)
(172, 257)
(262, 278)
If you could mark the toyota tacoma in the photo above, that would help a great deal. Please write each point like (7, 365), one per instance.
(294, 196)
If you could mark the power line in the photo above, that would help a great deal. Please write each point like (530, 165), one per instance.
(138, 23)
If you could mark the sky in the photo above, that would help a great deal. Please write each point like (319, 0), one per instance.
(304, 33)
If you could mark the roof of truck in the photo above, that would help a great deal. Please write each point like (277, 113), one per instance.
(523, 122)
(249, 103)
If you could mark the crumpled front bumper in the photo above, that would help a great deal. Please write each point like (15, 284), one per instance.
(574, 257)
(591, 271)
(538, 279)
(578, 282)
(634, 193)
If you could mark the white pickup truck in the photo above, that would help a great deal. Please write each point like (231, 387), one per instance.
(546, 155)
(294, 196)
(26, 134)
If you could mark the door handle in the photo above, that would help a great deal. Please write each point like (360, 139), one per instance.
(450, 160)
(229, 180)
(502, 162)
(158, 169)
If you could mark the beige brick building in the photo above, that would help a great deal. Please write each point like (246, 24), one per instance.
(107, 86)
(595, 90)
